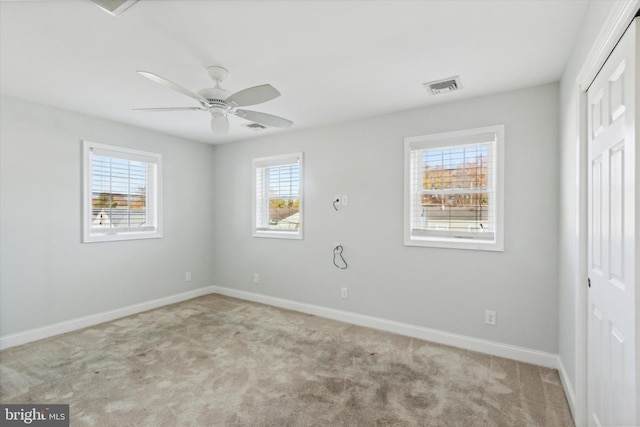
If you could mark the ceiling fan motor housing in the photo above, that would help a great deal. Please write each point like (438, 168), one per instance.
(216, 97)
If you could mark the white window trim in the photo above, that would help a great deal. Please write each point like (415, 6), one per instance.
(458, 138)
(275, 161)
(90, 236)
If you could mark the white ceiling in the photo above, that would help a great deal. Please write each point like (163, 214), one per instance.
(333, 61)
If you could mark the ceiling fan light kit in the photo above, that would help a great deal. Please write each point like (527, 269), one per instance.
(220, 102)
(219, 123)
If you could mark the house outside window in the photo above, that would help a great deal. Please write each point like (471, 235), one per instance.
(277, 196)
(122, 193)
(454, 189)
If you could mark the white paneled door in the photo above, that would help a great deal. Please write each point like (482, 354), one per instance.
(613, 231)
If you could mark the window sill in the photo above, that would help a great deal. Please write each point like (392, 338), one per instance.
(296, 235)
(114, 237)
(457, 243)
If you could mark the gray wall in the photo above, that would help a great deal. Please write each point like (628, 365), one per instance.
(46, 274)
(443, 289)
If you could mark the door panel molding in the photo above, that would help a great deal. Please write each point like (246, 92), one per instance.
(612, 340)
(621, 15)
(613, 29)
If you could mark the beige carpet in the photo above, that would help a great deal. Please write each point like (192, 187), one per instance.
(216, 360)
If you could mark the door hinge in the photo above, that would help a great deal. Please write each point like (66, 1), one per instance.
(588, 282)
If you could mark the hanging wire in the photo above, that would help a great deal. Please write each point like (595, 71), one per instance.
(337, 252)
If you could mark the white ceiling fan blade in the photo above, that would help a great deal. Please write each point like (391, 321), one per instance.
(219, 124)
(253, 95)
(264, 119)
(164, 82)
(153, 110)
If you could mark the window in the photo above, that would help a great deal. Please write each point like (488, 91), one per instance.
(122, 193)
(454, 191)
(277, 201)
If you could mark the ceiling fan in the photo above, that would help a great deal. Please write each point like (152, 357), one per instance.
(220, 103)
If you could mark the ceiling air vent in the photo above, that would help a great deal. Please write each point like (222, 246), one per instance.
(443, 86)
(256, 126)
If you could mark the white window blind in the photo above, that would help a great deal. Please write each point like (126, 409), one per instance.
(122, 193)
(453, 189)
(278, 196)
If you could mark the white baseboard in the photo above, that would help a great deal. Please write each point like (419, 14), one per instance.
(568, 389)
(521, 354)
(83, 322)
(469, 343)
(493, 348)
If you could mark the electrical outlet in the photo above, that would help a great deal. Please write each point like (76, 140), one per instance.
(187, 276)
(344, 293)
(256, 278)
(490, 317)
(344, 200)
